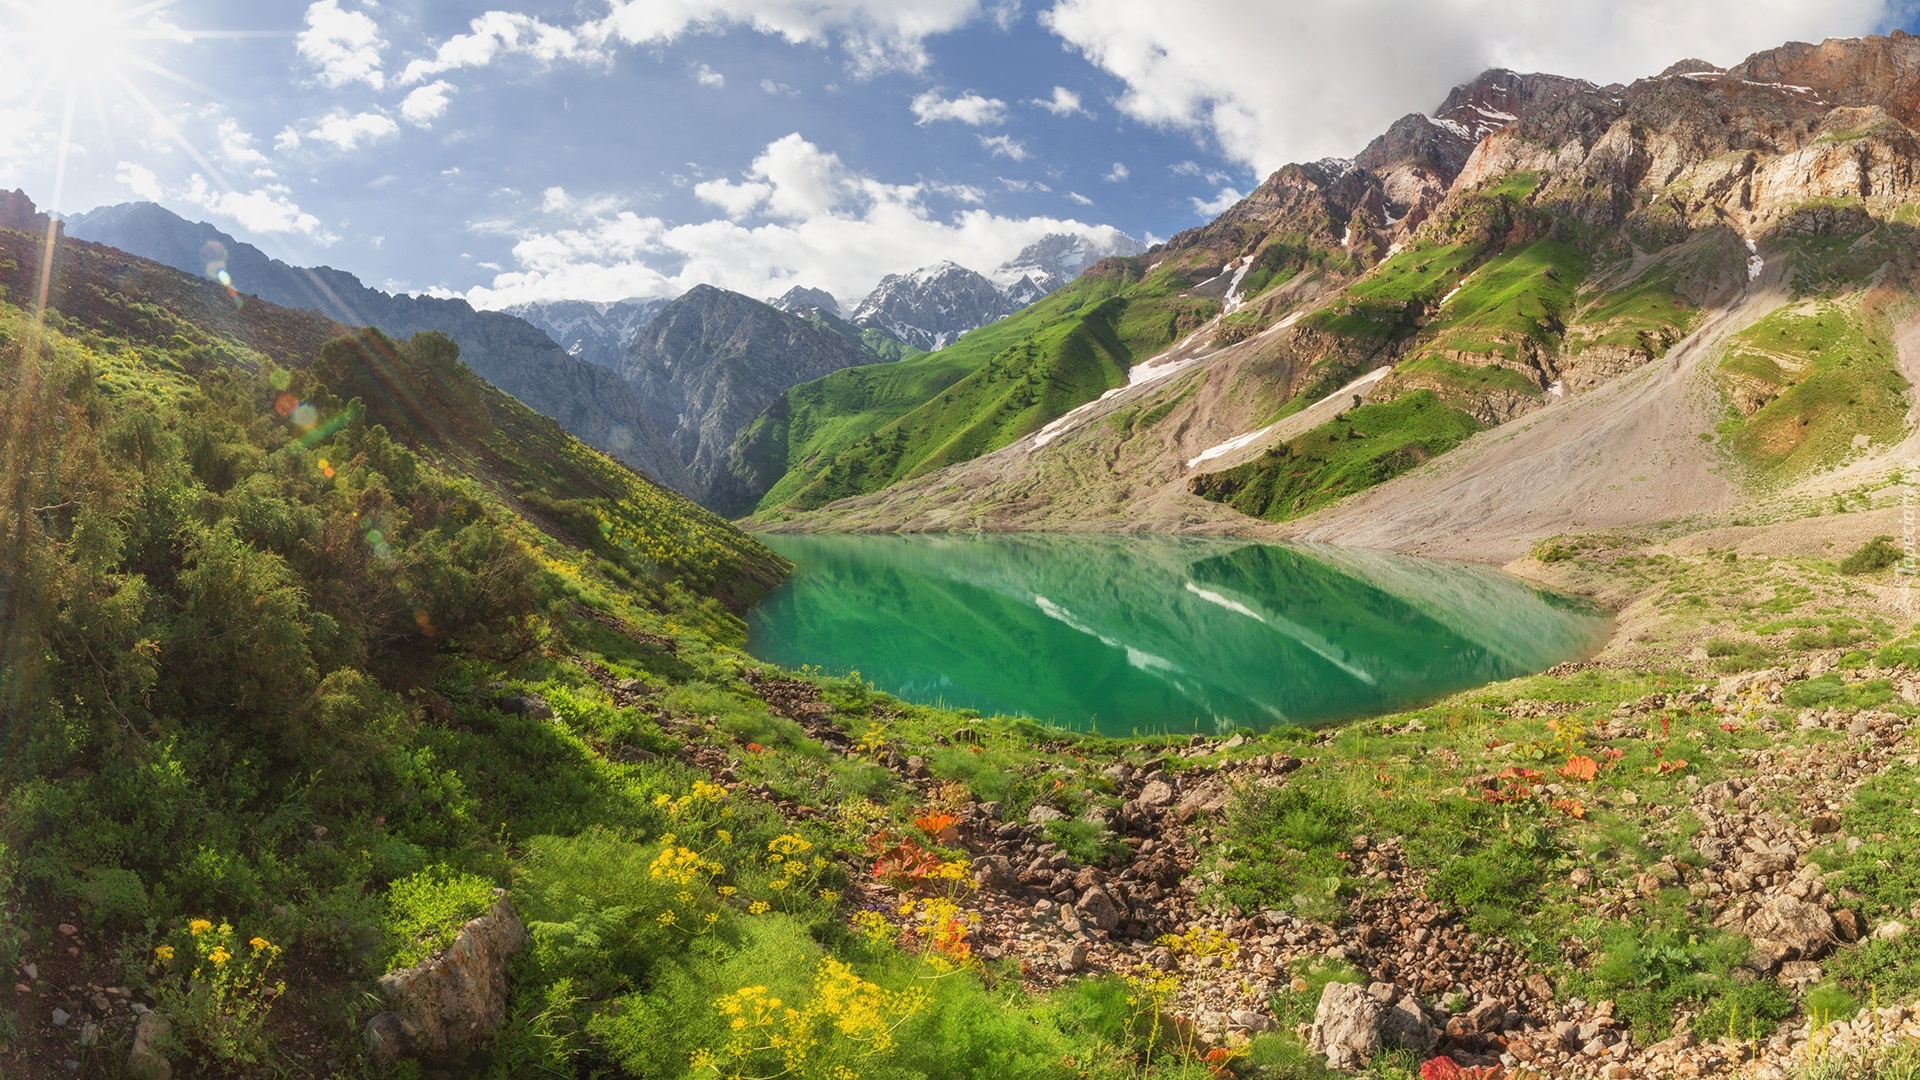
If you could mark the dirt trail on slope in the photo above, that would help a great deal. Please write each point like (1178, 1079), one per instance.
(1627, 453)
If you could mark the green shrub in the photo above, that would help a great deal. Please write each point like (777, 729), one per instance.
(1905, 651)
(1283, 849)
(114, 898)
(1087, 842)
(1739, 654)
(1831, 690)
(1872, 557)
(425, 911)
(1671, 961)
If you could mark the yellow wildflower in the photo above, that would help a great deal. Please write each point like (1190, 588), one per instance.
(198, 927)
(260, 944)
(163, 954)
(759, 907)
(219, 956)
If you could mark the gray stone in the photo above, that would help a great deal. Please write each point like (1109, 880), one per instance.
(993, 871)
(1406, 1027)
(1042, 814)
(445, 1005)
(60, 1017)
(1346, 1026)
(1248, 1020)
(144, 1059)
(532, 706)
(1070, 956)
(1098, 908)
(1156, 793)
(384, 1038)
(1805, 929)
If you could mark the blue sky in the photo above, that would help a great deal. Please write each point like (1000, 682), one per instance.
(605, 148)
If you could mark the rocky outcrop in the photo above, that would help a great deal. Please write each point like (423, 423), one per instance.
(443, 1007)
(598, 333)
(145, 1058)
(1346, 1026)
(709, 363)
(931, 307)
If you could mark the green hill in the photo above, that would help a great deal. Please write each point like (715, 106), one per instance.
(864, 428)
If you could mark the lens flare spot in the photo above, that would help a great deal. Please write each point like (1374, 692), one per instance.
(305, 416)
(224, 278)
(281, 379)
(285, 404)
(326, 468)
(425, 623)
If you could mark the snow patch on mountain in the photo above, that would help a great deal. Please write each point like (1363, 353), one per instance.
(594, 331)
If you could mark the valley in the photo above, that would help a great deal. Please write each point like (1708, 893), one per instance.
(1448, 615)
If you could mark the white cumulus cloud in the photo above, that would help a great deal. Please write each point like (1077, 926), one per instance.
(1005, 146)
(706, 76)
(1118, 173)
(1217, 205)
(138, 179)
(1294, 80)
(1064, 102)
(236, 146)
(877, 35)
(969, 108)
(503, 33)
(269, 209)
(344, 45)
(351, 131)
(797, 215)
(425, 104)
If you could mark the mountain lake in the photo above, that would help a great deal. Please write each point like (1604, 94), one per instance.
(1137, 634)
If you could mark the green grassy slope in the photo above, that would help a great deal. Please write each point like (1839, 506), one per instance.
(1354, 451)
(858, 430)
(1807, 381)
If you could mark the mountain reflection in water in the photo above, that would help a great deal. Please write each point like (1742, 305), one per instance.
(1126, 633)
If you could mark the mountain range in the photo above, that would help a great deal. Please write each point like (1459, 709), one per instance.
(1541, 287)
(670, 403)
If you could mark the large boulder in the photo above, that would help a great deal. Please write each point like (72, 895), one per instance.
(442, 1007)
(1346, 1026)
(145, 1061)
(1791, 928)
(1406, 1027)
(1098, 908)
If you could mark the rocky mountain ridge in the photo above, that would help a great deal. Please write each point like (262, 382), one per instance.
(591, 402)
(1534, 241)
(597, 332)
(931, 307)
(710, 362)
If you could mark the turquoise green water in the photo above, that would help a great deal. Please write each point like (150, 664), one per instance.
(1124, 634)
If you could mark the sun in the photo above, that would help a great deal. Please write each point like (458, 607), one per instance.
(84, 42)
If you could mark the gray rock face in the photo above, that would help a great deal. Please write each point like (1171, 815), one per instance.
(1346, 1026)
(931, 307)
(598, 333)
(443, 1007)
(706, 367)
(800, 300)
